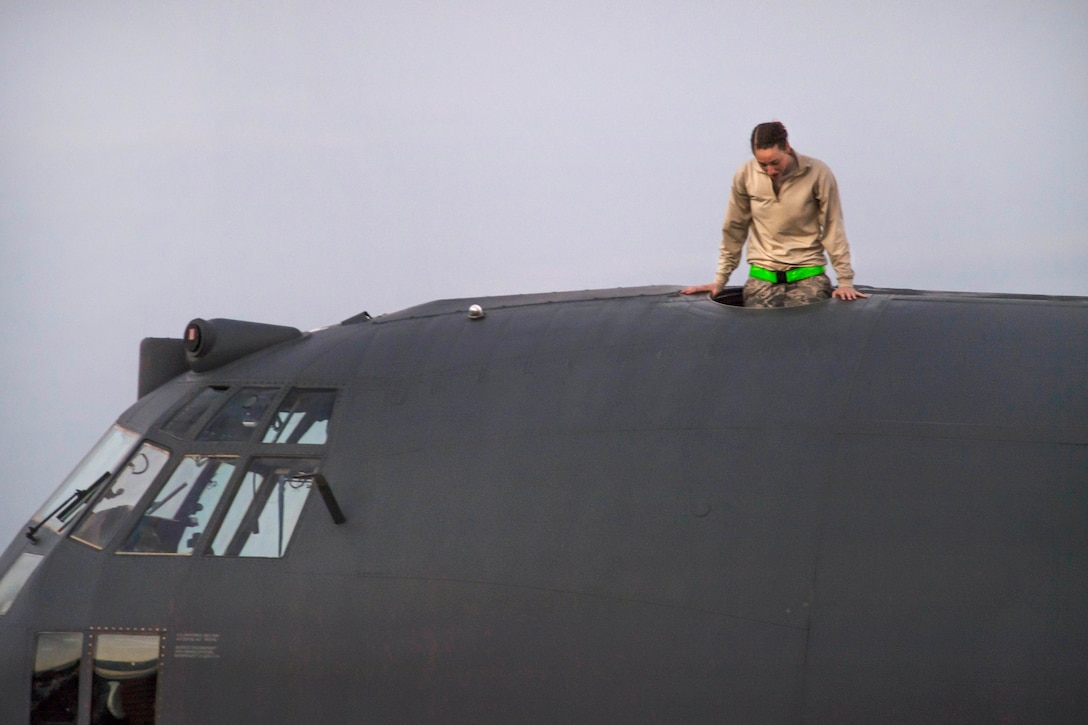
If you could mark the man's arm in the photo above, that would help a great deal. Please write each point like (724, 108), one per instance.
(714, 289)
(842, 292)
(738, 216)
(834, 235)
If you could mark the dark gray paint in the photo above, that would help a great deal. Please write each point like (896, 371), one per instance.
(626, 505)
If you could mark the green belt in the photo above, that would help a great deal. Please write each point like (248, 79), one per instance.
(790, 275)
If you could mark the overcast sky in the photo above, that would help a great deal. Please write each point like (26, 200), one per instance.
(299, 162)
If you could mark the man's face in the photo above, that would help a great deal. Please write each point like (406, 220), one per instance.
(774, 161)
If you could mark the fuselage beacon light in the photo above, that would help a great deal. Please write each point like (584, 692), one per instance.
(607, 506)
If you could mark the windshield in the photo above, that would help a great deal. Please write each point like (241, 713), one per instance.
(106, 456)
(121, 496)
(175, 519)
(266, 508)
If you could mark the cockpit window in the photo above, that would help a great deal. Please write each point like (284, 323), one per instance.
(174, 521)
(122, 495)
(75, 492)
(303, 417)
(266, 508)
(239, 418)
(181, 423)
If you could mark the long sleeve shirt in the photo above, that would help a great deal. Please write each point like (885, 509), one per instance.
(788, 229)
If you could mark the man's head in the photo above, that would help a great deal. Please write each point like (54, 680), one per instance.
(769, 135)
(771, 147)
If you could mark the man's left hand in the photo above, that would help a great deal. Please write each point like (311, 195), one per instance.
(847, 293)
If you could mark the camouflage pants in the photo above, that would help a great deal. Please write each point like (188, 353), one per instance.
(763, 295)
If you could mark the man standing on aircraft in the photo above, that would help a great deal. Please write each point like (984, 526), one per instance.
(787, 208)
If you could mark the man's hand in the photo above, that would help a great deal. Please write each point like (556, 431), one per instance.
(713, 289)
(847, 293)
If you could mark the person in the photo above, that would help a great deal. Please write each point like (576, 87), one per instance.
(786, 206)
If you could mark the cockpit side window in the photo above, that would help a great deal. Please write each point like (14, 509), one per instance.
(107, 455)
(122, 495)
(173, 522)
(239, 418)
(302, 417)
(265, 509)
(15, 578)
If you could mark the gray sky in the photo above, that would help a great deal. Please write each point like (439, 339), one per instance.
(299, 162)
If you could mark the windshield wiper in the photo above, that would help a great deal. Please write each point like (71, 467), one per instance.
(68, 505)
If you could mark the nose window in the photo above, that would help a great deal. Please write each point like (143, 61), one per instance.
(54, 692)
(126, 676)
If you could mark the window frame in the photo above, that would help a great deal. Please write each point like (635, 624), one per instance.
(243, 454)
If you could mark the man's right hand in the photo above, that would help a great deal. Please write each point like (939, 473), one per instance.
(713, 289)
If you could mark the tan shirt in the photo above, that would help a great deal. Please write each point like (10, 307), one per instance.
(789, 229)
